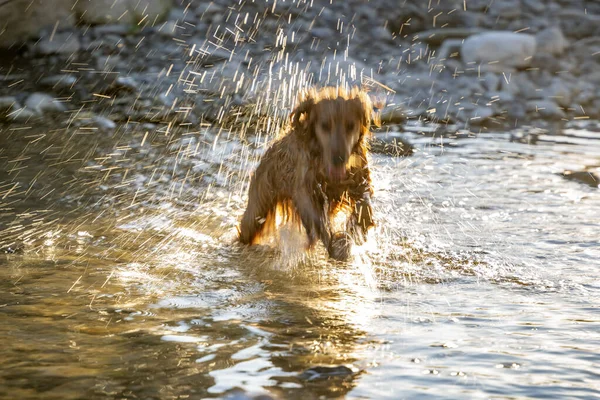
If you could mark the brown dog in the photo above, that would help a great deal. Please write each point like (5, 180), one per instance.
(318, 168)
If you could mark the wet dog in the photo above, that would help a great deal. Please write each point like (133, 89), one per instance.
(317, 169)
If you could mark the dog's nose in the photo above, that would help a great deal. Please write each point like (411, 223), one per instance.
(338, 159)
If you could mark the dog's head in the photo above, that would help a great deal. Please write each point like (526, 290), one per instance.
(337, 121)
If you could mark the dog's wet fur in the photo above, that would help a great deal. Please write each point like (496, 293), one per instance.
(318, 168)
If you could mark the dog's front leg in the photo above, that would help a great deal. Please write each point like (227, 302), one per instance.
(361, 219)
(311, 208)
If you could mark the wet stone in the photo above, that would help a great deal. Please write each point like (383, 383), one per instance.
(41, 103)
(323, 372)
(103, 123)
(585, 177)
(61, 43)
(59, 81)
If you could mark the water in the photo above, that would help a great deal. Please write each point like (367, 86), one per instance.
(481, 281)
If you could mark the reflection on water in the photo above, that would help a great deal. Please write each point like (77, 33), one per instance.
(123, 279)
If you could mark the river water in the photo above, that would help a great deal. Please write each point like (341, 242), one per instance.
(122, 278)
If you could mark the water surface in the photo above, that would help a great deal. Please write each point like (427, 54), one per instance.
(122, 278)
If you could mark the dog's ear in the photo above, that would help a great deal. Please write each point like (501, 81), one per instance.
(300, 115)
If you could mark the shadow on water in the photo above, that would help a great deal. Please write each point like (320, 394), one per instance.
(121, 277)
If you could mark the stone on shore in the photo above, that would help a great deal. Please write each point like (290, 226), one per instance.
(499, 51)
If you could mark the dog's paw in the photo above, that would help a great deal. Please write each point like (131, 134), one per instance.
(340, 246)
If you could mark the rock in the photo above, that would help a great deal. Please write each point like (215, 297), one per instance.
(438, 36)
(99, 12)
(551, 41)
(322, 32)
(453, 17)
(150, 10)
(449, 50)
(585, 96)
(535, 6)
(168, 29)
(125, 84)
(326, 372)
(560, 92)
(103, 123)
(24, 19)
(593, 108)
(586, 177)
(546, 109)
(500, 97)
(577, 24)
(519, 85)
(512, 111)
(481, 115)
(119, 30)
(393, 115)
(41, 103)
(499, 51)
(408, 19)
(508, 9)
(413, 82)
(548, 62)
(478, 5)
(59, 81)
(490, 81)
(66, 43)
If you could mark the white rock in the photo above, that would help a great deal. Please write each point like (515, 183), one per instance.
(60, 43)
(499, 50)
(41, 103)
(104, 123)
(551, 41)
(59, 81)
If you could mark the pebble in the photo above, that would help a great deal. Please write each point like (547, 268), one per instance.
(41, 103)
(65, 43)
(58, 82)
(103, 123)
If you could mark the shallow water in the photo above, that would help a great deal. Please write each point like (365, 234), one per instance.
(481, 281)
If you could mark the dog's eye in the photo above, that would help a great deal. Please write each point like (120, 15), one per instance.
(350, 125)
(326, 126)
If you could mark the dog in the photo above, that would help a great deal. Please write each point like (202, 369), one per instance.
(318, 168)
